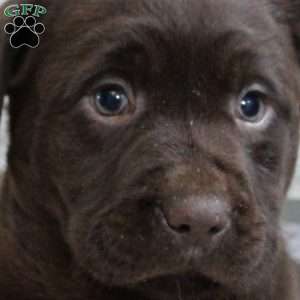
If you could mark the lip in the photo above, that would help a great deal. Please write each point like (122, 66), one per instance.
(193, 252)
(172, 284)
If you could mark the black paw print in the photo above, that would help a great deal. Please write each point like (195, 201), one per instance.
(24, 32)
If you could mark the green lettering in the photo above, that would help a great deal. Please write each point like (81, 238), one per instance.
(39, 10)
(26, 9)
(12, 11)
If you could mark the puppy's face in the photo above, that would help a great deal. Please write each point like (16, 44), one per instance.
(165, 133)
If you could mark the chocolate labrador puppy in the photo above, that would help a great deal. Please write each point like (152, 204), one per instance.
(152, 146)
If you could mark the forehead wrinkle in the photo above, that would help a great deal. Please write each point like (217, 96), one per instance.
(136, 23)
(236, 46)
(103, 44)
(147, 32)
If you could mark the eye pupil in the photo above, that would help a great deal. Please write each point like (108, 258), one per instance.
(111, 100)
(250, 105)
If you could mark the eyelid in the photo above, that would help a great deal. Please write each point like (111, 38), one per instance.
(111, 81)
(262, 124)
(256, 87)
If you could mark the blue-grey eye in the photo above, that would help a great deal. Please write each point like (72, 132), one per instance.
(251, 106)
(111, 100)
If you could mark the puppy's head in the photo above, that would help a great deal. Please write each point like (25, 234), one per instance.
(161, 135)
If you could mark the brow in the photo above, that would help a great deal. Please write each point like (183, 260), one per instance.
(119, 40)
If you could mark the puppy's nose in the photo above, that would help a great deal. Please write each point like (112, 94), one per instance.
(204, 219)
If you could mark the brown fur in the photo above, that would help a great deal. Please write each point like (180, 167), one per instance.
(77, 215)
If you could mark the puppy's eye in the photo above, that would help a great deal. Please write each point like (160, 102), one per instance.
(111, 100)
(252, 107)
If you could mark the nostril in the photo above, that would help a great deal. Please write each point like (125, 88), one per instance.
(179, 228)
(219, 227)
(215, 230)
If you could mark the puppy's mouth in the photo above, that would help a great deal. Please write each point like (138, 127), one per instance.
(178, 287)
(137, 246)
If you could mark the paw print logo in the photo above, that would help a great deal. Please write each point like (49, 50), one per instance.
(24, 32)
